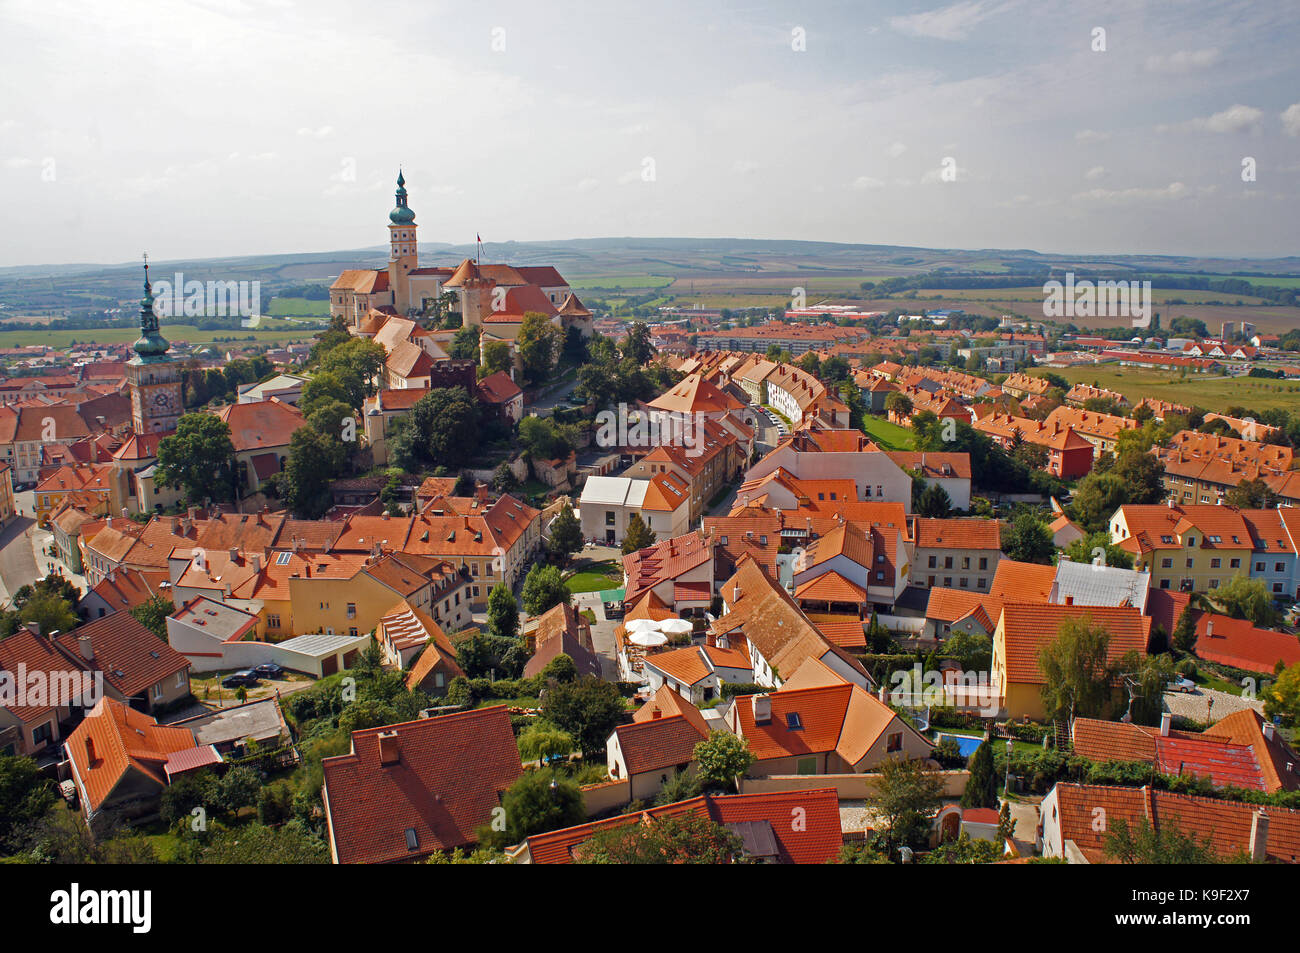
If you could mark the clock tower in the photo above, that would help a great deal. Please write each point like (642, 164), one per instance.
(153, 375)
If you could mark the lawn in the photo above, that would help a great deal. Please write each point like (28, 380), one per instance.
(298, 307)
(1213, 393)
(595, 577)
(889, 436)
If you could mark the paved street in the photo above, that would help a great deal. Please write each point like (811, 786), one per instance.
(547, 404)
(17, 559)
(1197, 705)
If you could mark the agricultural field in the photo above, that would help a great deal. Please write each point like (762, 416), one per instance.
(298, 308)
(1211, 393)
(173, 332)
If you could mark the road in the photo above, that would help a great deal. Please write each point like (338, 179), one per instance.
(547, 404)
(17, 557)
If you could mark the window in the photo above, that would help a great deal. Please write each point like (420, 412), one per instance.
(965, 562)
(947, 582)
(1259, 567)
(352, 610)
(1166, 563)
(352, 631)
(1277, 587)
(157, 691)
(894, 742)
(273, 620)
(934, 562)
(412, 841)
(1214, 563)
(1164, 583)
(947, 562)
(609, 517)
(182, 678)
(984, 562)
(962, 582)
(880, 577)
(43, 734)
(1277, 567)
(793, 721)
(1214, 584)
(1234, 564)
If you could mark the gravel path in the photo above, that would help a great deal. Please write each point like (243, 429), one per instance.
(1196, 705)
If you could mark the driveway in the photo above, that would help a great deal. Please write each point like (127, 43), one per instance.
(1207, 705)
(545, 405)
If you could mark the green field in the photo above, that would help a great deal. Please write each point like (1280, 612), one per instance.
(298, 308)
(173, 332)
(631, 280)
(1211, 393)
(889, 436)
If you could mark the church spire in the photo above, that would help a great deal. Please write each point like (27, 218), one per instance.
(151, 343)
(401, 213)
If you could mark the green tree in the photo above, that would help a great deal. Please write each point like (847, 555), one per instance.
(662, 840)
(544, 589)
(1077, 671)
(906, 799)
(323, 388)
(542, 740)
(566, 535)
(1246, 598)
(293, 843)
(1098, 497)
(637, 535)
(356, 363)
(588, 708)
(538, 343)
(898, 405)
(1282, 698)
(1184, 636)
(1084, 550)
(1028, 540)
(314, 461)
(722, 759)
(153, 613)
(982, 786)
(637, 346)
(50, 613)
(1252, 494)
(198, 458)
(1142, 474)
(933, 502)
(496, 358)
(1141, 844)
(540, 801)
(25, 797)
(502, 612)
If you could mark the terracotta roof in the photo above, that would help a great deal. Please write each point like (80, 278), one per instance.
(1179, 753)
(663, 561)
(498, 388)
(846, 631)
(120, 739)
(831, 587)
(659, 743)
(560, 631)
(1226, 824)
(127, 588)
(1019, 582)
(1243, 645)
(25, 651)
(957, 533)
(694, 394)
(449, 774)
(1246, 727)
(131, 657)
(263, 423)
(1030, 627)
(816, 841)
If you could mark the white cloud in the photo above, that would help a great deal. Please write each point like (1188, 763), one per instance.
(1174, 190)
(1291, 120)
(586, 185)
(1091, 135)
(1236, 118)
(323, 132)
(864, 182)
(947, 23)
(896, 149)
(1095, 173)
(1184, 61)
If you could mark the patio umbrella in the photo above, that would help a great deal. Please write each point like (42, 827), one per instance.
(642, 625)
(647, 639)
(676, 626)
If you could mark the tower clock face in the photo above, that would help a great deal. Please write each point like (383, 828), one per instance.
(162, 400)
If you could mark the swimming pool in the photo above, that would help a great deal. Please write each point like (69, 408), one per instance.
(965, 743)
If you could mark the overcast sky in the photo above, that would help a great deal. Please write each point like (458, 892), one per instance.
(197, 128)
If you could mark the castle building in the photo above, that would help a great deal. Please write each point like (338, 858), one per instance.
(491, 297)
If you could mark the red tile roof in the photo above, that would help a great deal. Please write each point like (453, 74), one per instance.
(449, 774)
(120, 738)
(815, 841)
(1027, 628)
(1240, 644)
(131, 657)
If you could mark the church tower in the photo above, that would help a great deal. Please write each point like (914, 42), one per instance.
(153, 375)
(403, 258)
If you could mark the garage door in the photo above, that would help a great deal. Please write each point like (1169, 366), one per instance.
(329, 666)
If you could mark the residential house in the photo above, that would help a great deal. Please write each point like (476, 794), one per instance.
(405, 791)
(955, 553)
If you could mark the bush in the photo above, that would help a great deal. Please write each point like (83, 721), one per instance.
(1186, 668)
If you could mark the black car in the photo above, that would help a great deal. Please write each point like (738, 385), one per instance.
(244, 679)
(268, 670)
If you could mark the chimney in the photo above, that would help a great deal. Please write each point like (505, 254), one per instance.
(1268, 730)
(200, 559)
(108, 522)
(1258, 837)
(175, 524)
(33, 627)
(762, 705)
(389, 752)
(87, 650)
(1209, 629)
(384, 515)
(90, 749)
(192, 512)
(883, 695)
(656, 714)
(723, 642)
(257, 562)
(481, 492)
(735, 594)
(1166, 718)
(234, 554)
(1069, 600)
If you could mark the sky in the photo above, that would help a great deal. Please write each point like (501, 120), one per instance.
(203, 128)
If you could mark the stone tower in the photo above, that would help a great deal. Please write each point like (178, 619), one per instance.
(403, 257)
(153, 375)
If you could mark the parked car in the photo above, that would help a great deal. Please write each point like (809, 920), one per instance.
(244, 679)
(268, 670)
(1181, 685)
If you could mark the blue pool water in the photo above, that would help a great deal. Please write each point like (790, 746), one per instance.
(965, 743)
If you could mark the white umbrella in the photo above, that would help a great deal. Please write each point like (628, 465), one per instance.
(676, 626)
(642, 625)
(647, 639)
